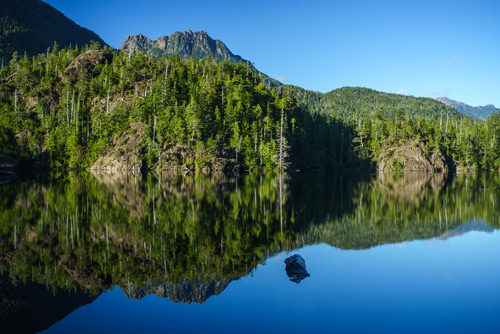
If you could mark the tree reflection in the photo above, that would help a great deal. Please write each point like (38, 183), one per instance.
(95, 232)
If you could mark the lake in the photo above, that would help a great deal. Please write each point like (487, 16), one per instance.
(406, 253)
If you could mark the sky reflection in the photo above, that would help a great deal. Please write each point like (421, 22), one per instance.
(427, 285)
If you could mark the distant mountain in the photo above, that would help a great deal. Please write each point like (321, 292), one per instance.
(476, 112)
(185, 44)
(478, 225)
(32, 26)
(349, 102)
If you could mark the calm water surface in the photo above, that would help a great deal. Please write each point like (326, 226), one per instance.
(413, 253)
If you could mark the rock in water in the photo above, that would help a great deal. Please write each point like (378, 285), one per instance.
(296, 268)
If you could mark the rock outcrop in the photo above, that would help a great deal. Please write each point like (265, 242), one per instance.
(85, 63)
(410, 157)
(296, 268)
(180, 158)
(125, 154)
(127, 151)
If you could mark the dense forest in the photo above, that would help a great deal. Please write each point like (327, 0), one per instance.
(382, 121)
(71, 107)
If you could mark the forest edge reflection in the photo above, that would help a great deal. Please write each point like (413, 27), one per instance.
(187, 238)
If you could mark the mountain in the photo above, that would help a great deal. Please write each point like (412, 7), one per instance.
(476, 112)
(185, 44)
(33, 26)
(353, 102)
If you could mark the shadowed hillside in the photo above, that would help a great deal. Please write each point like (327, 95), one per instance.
(33, 26)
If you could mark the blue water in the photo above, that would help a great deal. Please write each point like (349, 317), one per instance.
(431, 286)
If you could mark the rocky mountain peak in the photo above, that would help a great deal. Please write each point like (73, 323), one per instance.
(136, 43)
(185, 44)
(450, 102)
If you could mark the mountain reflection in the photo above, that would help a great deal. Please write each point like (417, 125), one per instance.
(30, 307)
(187, 238)
(184, 290)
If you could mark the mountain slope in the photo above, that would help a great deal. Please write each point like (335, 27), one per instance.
(477, 112)
(349, 102)
(186, 44)
(33, 26)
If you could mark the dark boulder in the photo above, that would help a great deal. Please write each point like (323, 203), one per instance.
(296, 268)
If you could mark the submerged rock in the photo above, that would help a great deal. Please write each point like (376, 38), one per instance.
(296, 268)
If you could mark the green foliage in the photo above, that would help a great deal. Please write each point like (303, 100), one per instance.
(207, 106)
(202, 105)
(354, 102)
(383, 121)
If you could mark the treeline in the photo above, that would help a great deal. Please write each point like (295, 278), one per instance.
(68, 107)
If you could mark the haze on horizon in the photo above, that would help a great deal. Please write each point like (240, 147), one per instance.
(420, 48)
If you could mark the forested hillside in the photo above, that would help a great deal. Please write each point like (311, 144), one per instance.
(33, 26)
(353, 102)
(95, 108)
(73, 106)
(384, 121)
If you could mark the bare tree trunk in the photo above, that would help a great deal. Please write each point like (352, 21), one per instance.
(281, 141)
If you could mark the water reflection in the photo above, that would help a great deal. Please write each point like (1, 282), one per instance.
(188, 238)
(29, 307)
(184, 290)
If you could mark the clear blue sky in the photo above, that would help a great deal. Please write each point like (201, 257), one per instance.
(422, 48)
